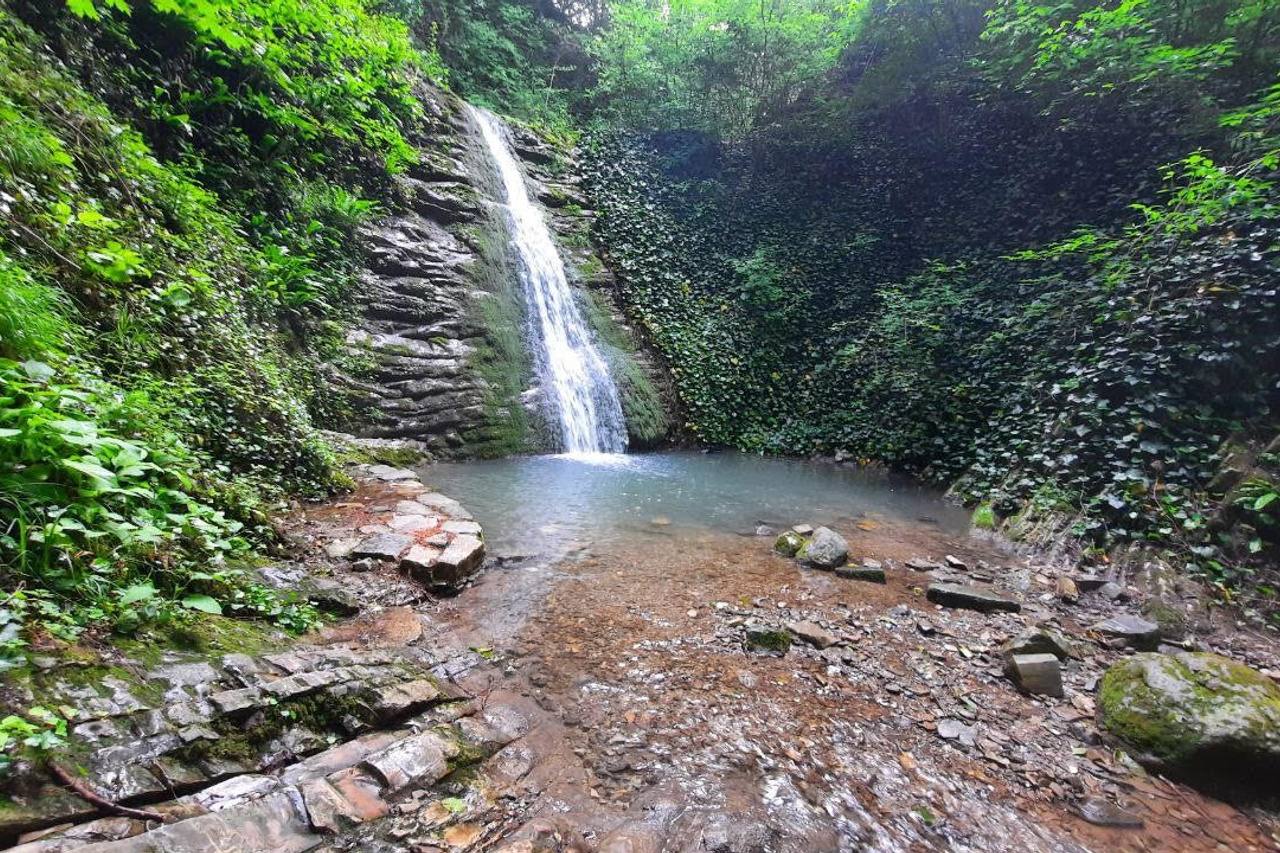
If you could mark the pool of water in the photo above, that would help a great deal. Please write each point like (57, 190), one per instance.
(545, 505)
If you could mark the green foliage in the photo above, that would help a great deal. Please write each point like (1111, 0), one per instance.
(160, 341)
(715, 65)
(306, 83)
(999, 287)
(1137, 52)
(522, 59)
(38, 732)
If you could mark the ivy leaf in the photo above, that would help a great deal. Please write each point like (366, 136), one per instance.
(1263, 502)
(83, 9)
(203, 603)
(137, 592)
(38, 370)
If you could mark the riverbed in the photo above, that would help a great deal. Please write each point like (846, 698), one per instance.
(617, 603)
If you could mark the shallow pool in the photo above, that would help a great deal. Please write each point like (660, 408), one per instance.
(544, 505)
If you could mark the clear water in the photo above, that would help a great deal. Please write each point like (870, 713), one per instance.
(545, 505)
(575, 379)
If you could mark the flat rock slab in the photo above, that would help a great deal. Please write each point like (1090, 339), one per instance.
(873, 574)
(419, 562)
(411, 523)
(1133, 630)
(468, 528)
(383, 546)
(391, 475)
(411, 508)
(970, 598)
(275, 823)
(812, 633)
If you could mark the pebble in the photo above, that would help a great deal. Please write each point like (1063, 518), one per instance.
(1102, 813)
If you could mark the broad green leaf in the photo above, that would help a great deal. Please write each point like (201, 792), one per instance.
(203, 603)
(137, 592)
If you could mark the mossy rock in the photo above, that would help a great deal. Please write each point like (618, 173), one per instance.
(1195, 715)
(1172, 621)
(775, 640)
(789, 543)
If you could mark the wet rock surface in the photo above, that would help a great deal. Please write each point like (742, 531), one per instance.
(432, 357)
(690, 692)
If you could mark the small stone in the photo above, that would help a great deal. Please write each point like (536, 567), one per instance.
(234, 701)
(365, 564)
(954, 562)
(1040, 673)
(764, 530)
(802, 529)
(925, 627)
(459, 560)
(1089, 582)
(659, 521)
(812, 633)
(1067, 591)
(408, 697)
(1102, 813)
(970, 598)
(422, 759)
(919, 564)
(1132, 630)
(1039, 641)
(949, 729)
(767, 639)
(1112, 591)
(341, 548)
(301, 684)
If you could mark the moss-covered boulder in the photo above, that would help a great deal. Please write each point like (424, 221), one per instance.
(1196, 715)
(789, 544)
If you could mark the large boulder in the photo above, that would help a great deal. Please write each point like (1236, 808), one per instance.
(826, 550)
(1196, 715)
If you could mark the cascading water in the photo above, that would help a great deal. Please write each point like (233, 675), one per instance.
(580, 388)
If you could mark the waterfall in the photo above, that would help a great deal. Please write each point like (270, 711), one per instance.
(574, 377)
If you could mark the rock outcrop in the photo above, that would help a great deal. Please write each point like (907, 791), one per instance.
(439, 352)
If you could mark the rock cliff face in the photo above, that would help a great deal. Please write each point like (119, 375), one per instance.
(439, 352)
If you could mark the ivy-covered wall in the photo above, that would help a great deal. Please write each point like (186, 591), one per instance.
(952, 280)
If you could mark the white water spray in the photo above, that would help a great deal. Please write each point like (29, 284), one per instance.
(580, 388)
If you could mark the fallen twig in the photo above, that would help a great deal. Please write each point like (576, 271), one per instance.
(86, 793)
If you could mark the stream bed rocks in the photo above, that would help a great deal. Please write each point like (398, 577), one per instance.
(689, 692)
